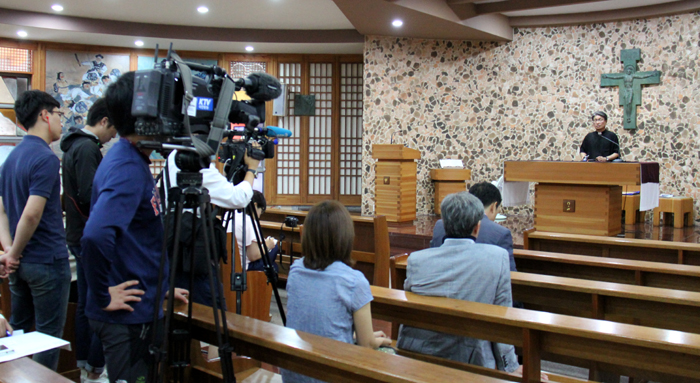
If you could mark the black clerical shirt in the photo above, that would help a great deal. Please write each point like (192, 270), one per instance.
(595, 144)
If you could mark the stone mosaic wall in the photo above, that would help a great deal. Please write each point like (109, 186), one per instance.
(532, 99)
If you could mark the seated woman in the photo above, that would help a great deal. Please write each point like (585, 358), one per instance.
(325, 295)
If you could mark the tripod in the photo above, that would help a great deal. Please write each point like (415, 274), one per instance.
(239, 280)
(189, 194)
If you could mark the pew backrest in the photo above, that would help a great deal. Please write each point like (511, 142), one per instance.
(319, 357)
(683, 253)
(642, 273)
(649, 353)
(647, 306)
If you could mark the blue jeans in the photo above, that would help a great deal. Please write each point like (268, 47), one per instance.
(40, 299)
(88, 347)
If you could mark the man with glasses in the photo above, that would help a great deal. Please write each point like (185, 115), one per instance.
(601, 145)
(31, 224)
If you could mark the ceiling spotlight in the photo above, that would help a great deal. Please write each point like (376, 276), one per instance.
(138, 43)
(57, 7)
(249, 48)
(397, 23)
(202, 9)
(21, 33)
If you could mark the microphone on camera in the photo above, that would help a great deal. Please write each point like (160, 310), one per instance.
(273, 131)
(261, 86)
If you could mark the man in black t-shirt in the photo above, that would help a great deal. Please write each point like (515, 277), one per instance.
(601, 145)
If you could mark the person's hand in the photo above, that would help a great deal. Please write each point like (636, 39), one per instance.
(601, 159)
(180, 295)
(381, 340)
(270, 243)
(121, 294)
(543, 377)
(4, 327)
(251, 162)
(8, 264)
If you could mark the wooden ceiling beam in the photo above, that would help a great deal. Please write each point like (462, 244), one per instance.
(523, 5)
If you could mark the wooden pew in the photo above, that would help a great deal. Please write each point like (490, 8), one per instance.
(682, 253)
(641, 352)
(320, 357)
(370, 250)
(25, 370)
(641, 273)
(647, 306)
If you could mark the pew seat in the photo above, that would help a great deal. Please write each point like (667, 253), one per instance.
(316, 356)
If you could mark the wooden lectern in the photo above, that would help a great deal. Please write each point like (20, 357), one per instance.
(395, 185)
(448, 181)
(576, 197)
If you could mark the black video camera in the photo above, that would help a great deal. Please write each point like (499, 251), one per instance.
(170, 104)
(291, 221)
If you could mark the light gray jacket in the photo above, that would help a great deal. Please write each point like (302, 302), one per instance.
(460, 269)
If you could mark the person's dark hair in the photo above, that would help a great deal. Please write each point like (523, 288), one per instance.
(30, 104)
(119, 96)
(97, 112)
(487, 193)
(105, 77)
(601, 114)
(259, 200)
(58, 75)
(99, 56)
(328, 235)
(461, 212)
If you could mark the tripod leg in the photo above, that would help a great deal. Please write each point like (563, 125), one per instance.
(270, 271)
(225, 349)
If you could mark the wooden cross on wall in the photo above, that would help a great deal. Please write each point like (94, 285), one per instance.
(630, 83)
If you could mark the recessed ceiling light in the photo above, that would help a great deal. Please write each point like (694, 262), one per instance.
(138, 43)
(21, 33)
(57, 7)
(249, 48)
(397, 23)
(202, 9)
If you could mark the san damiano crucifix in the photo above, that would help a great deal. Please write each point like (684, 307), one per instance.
(630, 83)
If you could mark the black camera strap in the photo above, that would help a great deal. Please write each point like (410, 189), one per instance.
(200, 146)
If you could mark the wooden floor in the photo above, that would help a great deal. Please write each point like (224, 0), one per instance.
(406, 238)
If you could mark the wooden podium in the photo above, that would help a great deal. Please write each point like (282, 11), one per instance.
(576, 197)
(395, 185)
(448, 181)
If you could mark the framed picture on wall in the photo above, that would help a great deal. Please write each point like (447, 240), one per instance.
(77, 79)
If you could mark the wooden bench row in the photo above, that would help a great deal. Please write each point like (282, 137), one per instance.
(320, 357)
(640, 352)
(682, 253)
(647, 306)
(631, 272)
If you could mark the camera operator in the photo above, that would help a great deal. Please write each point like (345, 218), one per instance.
(253, 257)
(121, 246)
(223, 194)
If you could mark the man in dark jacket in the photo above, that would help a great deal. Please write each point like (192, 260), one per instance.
(80, 160)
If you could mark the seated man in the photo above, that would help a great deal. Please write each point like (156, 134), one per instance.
(460, 269)
(254, 260)
(491, 232)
